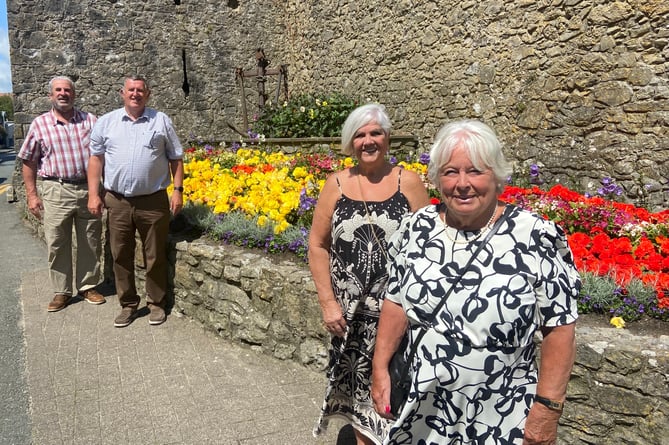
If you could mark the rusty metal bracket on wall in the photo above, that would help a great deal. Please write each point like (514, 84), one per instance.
(260, 73)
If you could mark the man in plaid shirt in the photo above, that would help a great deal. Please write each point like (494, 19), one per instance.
(55, 157)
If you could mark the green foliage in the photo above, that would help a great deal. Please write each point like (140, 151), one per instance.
(7, 105)
(198, 215)
(601, 295)
(596, 293)
(236, 228)
(305, 116)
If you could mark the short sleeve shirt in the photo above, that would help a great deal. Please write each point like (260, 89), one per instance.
(136, 153)
(60, 149)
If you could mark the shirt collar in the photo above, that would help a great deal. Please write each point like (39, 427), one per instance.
(144, 116)
(76, 117)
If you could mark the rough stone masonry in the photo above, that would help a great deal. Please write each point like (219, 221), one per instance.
(578, 87)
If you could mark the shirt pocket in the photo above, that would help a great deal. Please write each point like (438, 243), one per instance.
(153, 140)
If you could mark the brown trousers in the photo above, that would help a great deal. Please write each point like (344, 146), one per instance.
(150, 216)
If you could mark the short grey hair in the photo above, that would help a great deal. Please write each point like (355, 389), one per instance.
(65, 78)
(481, 144)
(360, 117)
(136, 77)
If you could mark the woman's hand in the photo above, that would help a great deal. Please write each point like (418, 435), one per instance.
(381, 392)
(333, 319)
(541, 425)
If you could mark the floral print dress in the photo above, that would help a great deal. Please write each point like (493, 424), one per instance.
(474, 374)
(360, 233)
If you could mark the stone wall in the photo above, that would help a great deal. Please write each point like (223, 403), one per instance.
(577, 86)
(618, 391)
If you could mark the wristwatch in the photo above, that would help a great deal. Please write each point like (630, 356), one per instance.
(179, 189)
(551, 404)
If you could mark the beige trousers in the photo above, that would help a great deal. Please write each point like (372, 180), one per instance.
(65, 209)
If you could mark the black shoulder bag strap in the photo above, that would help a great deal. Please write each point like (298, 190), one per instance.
(419, 337)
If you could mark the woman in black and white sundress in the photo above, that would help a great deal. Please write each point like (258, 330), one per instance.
(474, 377)
(358, 210)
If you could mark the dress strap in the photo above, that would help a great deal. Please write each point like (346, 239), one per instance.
(399, 179)
(339, 185)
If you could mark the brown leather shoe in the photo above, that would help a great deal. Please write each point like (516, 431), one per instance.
(92, 296)
(157, 315)
(59, 302)
(126, 316)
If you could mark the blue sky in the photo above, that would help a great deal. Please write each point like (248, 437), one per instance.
(5, 70)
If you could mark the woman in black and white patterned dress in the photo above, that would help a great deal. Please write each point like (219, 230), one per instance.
(358, 210)
(474, 378)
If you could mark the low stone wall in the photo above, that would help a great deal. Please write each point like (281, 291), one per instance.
(251, 299)
(618, 391)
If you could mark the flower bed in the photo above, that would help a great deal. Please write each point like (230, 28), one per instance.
(256, 197)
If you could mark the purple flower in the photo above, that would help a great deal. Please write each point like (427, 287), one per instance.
(534, 170)
(609, 188)
(424, 158)
(393, 160)
(306, 202)
(534, 175)
(251, 134)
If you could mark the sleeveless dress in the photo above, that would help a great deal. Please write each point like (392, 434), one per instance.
(360, 233)
(474, 374)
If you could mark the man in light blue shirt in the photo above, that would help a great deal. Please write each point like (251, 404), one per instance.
(136, 152)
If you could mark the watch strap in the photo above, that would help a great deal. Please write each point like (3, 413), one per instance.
(551, 404)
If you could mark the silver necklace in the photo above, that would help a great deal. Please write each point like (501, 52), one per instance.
(467, 240)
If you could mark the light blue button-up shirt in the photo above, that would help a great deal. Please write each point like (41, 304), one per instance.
(136, 153)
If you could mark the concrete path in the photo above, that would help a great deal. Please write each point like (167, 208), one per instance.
(71, 377)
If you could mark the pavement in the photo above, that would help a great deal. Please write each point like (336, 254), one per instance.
(71, 377)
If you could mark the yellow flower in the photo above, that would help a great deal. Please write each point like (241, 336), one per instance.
(325, 103)
(263, 184)
(300, 172)
(618, 322)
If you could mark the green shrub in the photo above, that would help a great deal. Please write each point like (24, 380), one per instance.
(305, 116)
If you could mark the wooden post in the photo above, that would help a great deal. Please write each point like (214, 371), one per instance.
(260, 73)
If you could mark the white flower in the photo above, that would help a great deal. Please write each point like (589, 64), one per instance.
(302, 109)
(261, 137)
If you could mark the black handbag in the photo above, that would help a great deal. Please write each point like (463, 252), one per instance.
(400, 362)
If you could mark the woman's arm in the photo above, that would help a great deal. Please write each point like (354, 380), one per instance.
(392, 325)
(558, 350)
(319, 257)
